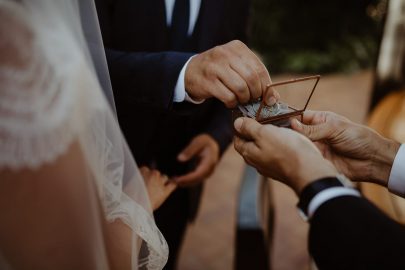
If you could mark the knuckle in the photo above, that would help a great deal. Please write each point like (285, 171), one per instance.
(251, 76)
(229, 105)
(254, 84)
(237, 43)
(242, 95)
(219, 51)
(256, 93)
(261, 132)
(230, 101)
(240, 87)
(328, 114)
(210, 69)
(146, 173)
(244, 150)
(309, 131)
(244, 99)
(243, 125)
(262, 71)
(238, 145)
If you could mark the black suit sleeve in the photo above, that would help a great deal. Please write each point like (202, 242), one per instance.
(351, 233)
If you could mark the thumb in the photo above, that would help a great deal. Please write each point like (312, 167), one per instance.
(190, 151)
(247, 128)
(313, 132)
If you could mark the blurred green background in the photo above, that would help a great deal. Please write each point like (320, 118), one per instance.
(317, 36)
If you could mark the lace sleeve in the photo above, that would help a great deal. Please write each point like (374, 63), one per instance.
(36, 115)
(51, 101)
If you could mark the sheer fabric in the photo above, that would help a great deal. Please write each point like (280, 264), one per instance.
(68, 183)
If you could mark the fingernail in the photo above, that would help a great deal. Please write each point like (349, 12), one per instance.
(181, 157)
(271, 101)
(277, 95)
(238, 124)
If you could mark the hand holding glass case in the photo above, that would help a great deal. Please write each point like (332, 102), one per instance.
(295, 95)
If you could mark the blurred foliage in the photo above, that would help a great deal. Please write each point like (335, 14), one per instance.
(315, 36)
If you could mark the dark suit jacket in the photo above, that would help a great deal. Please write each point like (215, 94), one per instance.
(351, 233)
(144, 71)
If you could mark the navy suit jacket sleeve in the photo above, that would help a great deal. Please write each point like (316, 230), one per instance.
(145, 79)
(220, 125)
(351, 233)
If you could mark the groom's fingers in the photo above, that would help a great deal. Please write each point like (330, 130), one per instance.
(271, 96)
(203, 169)
(250, 68)
(249, 77)
(235, 84)
(190, 151)
(257, 74)
(225, 95)
(231, 73)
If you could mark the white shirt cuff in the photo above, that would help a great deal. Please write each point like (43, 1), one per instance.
(180, 93)
(328, 194)
(396, 181)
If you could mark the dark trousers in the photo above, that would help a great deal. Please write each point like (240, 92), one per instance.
(171, 218)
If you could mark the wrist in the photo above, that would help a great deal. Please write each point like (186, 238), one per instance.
(189, 81)
(310, 172)
(321, 191)
(382, 161)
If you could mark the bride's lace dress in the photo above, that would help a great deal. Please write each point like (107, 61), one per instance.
(57, 131)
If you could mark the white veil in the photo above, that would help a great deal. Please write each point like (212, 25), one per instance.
(60, 138)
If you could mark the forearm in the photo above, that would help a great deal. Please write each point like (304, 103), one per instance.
(120, 245)
(382, 161)
(51, 217)
(310, 169)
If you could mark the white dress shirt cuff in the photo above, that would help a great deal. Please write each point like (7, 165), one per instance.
(396, 181)
(180, 93)
(328, 194)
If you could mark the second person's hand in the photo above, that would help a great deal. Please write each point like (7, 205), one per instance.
(281, 153)
(356, 150)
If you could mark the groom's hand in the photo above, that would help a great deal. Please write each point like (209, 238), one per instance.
(231, 73)
(206, 150)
